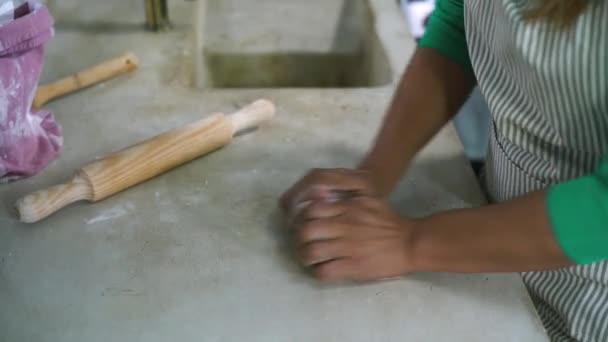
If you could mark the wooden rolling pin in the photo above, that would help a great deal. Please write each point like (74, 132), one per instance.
(85, 78)
(133, 165)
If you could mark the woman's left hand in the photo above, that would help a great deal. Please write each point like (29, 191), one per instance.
(359, 239)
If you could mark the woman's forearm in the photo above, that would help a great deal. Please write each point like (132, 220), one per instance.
(431, 91)
(514, 236)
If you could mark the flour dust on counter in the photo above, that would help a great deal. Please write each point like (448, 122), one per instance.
(112, 213)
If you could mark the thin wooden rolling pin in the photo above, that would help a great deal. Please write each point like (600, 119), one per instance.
(85, 78)
(133, 165)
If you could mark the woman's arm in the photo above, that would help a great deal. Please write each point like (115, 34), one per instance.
(436, 83)
(431, 92)
(566, 225)
(514, 236)
(364, 239)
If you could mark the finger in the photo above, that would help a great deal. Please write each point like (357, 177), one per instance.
(325, 229)
(323, 251)
(325, 181)
(298, 209)
(295, 213)
(366, 202)
(336, 270)
(313, 177)
(322, 209)
(330, 206)
(344, 213)
(312, 193)
(338, 205)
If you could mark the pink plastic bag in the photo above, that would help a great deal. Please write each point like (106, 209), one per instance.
(29, 139)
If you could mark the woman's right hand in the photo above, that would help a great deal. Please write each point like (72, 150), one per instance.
(328, 184)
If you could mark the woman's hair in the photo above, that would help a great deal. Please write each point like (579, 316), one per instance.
(558, 12)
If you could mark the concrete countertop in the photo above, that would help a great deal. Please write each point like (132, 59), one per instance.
(200, 252)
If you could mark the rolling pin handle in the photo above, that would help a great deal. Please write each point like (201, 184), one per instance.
(39, 205)
(85, 78)
(252, 116)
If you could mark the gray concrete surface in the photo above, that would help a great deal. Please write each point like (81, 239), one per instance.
(200, 253)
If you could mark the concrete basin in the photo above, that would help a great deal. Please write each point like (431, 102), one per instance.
(293, 43)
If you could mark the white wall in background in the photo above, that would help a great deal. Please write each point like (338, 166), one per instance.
(416, 12)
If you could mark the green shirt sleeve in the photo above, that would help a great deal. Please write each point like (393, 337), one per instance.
(445, 32)
(578, 212)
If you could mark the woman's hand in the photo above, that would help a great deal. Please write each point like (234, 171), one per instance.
(357, 239)
(327, 184)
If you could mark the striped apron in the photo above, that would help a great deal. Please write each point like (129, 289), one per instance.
(548, 94)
